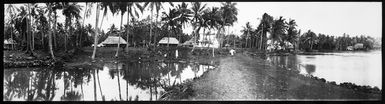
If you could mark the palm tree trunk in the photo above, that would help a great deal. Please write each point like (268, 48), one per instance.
(54, 30)
(150, 27)
(100, 87)
(84, 17)
(128, 25)
(81, 86)
(117, 48)
(12, 45)
(126, 90)
(65, 39)
(95, 92)
(97, 31)
(261, 38)
(30, 49)
(50, 34)
(156, 23)
(33, 39)
(120, 95)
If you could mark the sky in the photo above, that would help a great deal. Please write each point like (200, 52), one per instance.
(330, 18)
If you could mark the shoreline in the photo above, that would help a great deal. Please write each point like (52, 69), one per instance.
(201, 57)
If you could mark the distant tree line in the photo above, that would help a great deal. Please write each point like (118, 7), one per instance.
(283, 32)
(34, 26)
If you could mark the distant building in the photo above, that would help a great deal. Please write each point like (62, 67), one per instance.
(8, 43)
(189, 43)
(209, 41)
(358, 46)
(168, 40)
(112, 41)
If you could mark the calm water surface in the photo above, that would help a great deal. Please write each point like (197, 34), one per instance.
(361, 68)
(113, 81)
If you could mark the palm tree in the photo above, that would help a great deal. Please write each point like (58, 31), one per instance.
(87, 13)
(12, 14)
(278, 30)
(55, 6)
(265, 26)
(171, 21)
(157, 6)
(229, 15)
(292, 33)
(213, 20)
(197, 20)
(133, 7)
(122, 8)
(71, 10)
(310, 38)
(184, 15)
(34, 18)
(97, 31)
(29, 31)
(50, 9)
(247, 30)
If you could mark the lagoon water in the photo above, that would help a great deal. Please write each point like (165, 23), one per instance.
(361, 68)
(122, 81)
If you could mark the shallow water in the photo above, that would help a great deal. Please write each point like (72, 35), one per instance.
(114, 81)
(361, 68)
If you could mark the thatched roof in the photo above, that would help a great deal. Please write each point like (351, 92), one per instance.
(114, 40)
(166, 40)
(189, 42)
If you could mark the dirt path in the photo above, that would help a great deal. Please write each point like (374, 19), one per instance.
(232, 81)
(243, 78)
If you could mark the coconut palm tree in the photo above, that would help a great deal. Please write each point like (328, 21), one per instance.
(133, 7)
(41, 23)
(87, 13)
(278, 30)
(157, 6)
(292, 33)
(247, 30)
(97, 30)
(50, 10)
(55, 6)
(185, 15)
(213, 20)
(310, 38)
(70, 11)
(197, 9)
(28, 19)
(12, 14)
(265, 26)
(122, 7)
(229, 15)
(171, 21)
(34, 18)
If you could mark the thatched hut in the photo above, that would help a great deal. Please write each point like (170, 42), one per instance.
(112, 41)
(169, 40)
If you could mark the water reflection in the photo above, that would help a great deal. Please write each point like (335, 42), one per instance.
(361, 68)
(114, 81)
(310, 69)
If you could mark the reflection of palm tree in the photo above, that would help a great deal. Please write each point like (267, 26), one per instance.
(72, 96)
(100, 87)
(95, 95)
(120, 95)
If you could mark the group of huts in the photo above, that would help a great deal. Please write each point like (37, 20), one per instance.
(113, 41)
